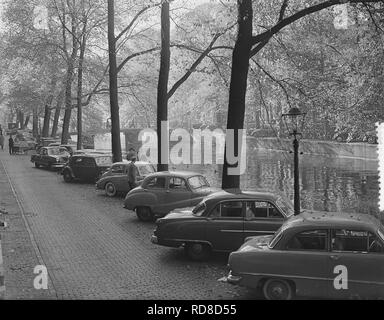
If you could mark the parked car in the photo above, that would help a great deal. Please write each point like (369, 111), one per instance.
(164, 191)
(115, 180)
(347, 136)
(50, 157)
(221, 222)
(86, 167)
(309, 254)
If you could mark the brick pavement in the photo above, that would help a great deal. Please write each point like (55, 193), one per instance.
(93, 248)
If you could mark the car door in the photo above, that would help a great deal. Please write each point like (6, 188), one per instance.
(158, 187)
(178, 194)
(261, 218)
(45, 158)
(119, 178)
(89, 169)
(305, 260)
(357, 258)
(77, 167)
(224, 227)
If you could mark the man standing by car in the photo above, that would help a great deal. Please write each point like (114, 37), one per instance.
(1, 141)
(10, 145)
(132, 173)
(131, 153)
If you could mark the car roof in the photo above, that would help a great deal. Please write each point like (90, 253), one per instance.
(91, 155)
(333, 220)
(183, 174)
(126, 162)
(240, 194)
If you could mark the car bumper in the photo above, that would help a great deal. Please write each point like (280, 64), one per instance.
(154, 240)
(232, 279)
(57, 165)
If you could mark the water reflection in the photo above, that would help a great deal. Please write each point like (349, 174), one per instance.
(340, 185)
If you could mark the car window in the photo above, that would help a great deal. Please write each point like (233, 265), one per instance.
(285, 205)
(199, 209)
(43, 152)
(103, 161)
(355, 241)
(315, 240)
(117, 169)
(197, 182)
(177, 184)
(156, 183)
(228, 209)
(261, 209)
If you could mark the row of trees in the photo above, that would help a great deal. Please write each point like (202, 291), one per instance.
(139, 63)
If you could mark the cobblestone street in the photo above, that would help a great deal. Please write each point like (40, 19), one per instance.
(92, 247)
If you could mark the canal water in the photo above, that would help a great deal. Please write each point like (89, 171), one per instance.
(326, 183)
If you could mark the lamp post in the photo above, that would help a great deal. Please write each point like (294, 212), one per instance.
(294, 122)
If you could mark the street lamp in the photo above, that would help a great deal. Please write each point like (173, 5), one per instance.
(294, 122)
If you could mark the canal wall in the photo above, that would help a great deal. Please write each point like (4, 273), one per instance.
(362, 151)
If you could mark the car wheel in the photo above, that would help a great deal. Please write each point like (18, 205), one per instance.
(110, 189)
(37, 165)
(277, 289)
(67, 176)
(144, 214)
(198, 251)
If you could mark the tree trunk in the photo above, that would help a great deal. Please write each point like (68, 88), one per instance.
(238, 87)
(26, 122)
(162, 91)
(80, 91)
(47, 117)
(68, 85)
(113, 94)
(57, 114)
(35, 123)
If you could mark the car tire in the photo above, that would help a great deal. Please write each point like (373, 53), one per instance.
(198, 251)
(110, 190)
(67, 176)
(145, 214)
(277, 289)
(37, 165)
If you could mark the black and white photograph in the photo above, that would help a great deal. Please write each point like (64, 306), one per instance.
(205, 152)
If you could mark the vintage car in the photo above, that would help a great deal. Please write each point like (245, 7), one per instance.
(321, 255)
(115, 180)
(221, 222)
(50, 157)
(86, 167)
(164, 191)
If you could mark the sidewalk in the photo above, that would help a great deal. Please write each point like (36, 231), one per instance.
(19, 256)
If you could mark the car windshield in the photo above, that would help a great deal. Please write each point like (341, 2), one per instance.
(381, 233)
(197, 182)
(57, 152)
(146, 169)
(199, 209)
(285, 205)
(276, 238)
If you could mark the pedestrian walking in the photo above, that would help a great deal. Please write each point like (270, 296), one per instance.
(1, 141)
(131, 153)
(132, 173)
(10, 145)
